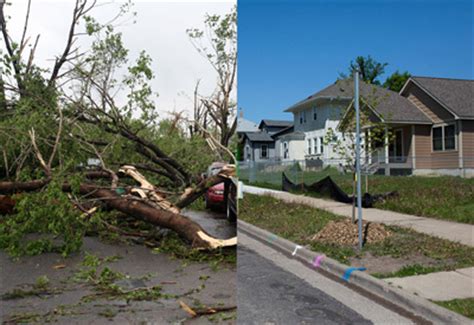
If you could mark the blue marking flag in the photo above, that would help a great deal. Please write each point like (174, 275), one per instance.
(349, 271)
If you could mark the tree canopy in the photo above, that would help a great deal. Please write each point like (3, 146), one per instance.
(396, 81)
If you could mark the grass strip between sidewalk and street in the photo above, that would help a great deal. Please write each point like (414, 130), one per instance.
(418, 253)
(464, 307)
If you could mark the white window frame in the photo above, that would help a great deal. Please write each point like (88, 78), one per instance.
(309, 146)
(321, 145)
(443, 126)
(315, 145)
(403, 143)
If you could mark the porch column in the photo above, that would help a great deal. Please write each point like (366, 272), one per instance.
(368, 145)
(387, 161)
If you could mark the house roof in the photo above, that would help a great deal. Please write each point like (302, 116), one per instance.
(286, 130)
(335, 91)
(276, 123)
(244, 125)
(387, 104)
(457, 95)
(259, 137)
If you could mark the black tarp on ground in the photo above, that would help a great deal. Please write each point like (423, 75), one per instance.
(327, 187)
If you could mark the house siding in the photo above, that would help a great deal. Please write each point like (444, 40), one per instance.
(468, 143)
(426, 158)
(427, 105)
(324, 113)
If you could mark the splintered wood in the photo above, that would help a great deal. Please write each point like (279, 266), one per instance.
(148, 190)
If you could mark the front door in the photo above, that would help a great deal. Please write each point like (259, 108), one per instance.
(395, 150)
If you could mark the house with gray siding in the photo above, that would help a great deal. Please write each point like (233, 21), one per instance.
(260, 146)
(313, 118)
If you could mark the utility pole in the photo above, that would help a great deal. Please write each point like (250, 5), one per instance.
(359, 196)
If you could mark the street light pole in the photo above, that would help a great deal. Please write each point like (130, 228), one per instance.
(359, 196)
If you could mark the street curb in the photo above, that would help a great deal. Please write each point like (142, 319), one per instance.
(409, 302)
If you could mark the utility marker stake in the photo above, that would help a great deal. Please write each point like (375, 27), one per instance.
(296, 248)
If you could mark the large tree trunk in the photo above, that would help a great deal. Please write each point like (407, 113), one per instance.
(135, 207)
(182, 225)
(17, 187)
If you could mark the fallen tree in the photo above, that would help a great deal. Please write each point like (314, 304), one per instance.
(69, 148)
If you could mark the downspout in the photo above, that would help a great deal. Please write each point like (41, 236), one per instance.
(413, 148)
(387, 161)
(462, 171)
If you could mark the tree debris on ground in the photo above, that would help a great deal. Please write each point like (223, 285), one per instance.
(74, 151)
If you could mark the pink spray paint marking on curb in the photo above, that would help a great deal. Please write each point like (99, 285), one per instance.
(317, 260)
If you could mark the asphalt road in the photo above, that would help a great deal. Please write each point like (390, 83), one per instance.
(274, 289)
(192, 282)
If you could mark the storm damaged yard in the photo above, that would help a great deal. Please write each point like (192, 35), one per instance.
(101, 189)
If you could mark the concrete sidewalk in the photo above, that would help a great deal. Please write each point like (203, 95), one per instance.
(439, 286)
(457, 232)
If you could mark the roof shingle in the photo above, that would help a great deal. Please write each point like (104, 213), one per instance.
(259, 137)
(456, 94)
(388, 104)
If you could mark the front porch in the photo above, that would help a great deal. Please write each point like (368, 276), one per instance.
(391, 152)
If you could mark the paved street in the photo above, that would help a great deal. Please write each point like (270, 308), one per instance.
(195, 283)
(274, 289)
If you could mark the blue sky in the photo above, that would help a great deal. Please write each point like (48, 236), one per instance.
(291, 49)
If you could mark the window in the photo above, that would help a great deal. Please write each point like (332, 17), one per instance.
(309, 146)
(302, 117)
(444, 137)
(263, 152)
(449, 137)
(315, 114)
(438, 138)
(321, 145)
(285, 150)
(315, 145)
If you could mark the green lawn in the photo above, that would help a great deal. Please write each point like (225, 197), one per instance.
(446, 197)
(298, 223)
(461, 306)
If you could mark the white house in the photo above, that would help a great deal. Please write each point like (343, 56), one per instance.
(313, 117)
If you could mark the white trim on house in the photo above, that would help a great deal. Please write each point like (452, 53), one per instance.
(442, 126)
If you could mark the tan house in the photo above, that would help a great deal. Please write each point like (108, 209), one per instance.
(430, 122)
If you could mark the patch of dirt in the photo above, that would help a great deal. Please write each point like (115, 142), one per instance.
(388, 264)
(347, 233)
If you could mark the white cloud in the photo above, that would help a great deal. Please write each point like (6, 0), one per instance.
(160, 30)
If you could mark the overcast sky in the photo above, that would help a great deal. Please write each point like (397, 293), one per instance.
(160, 29)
